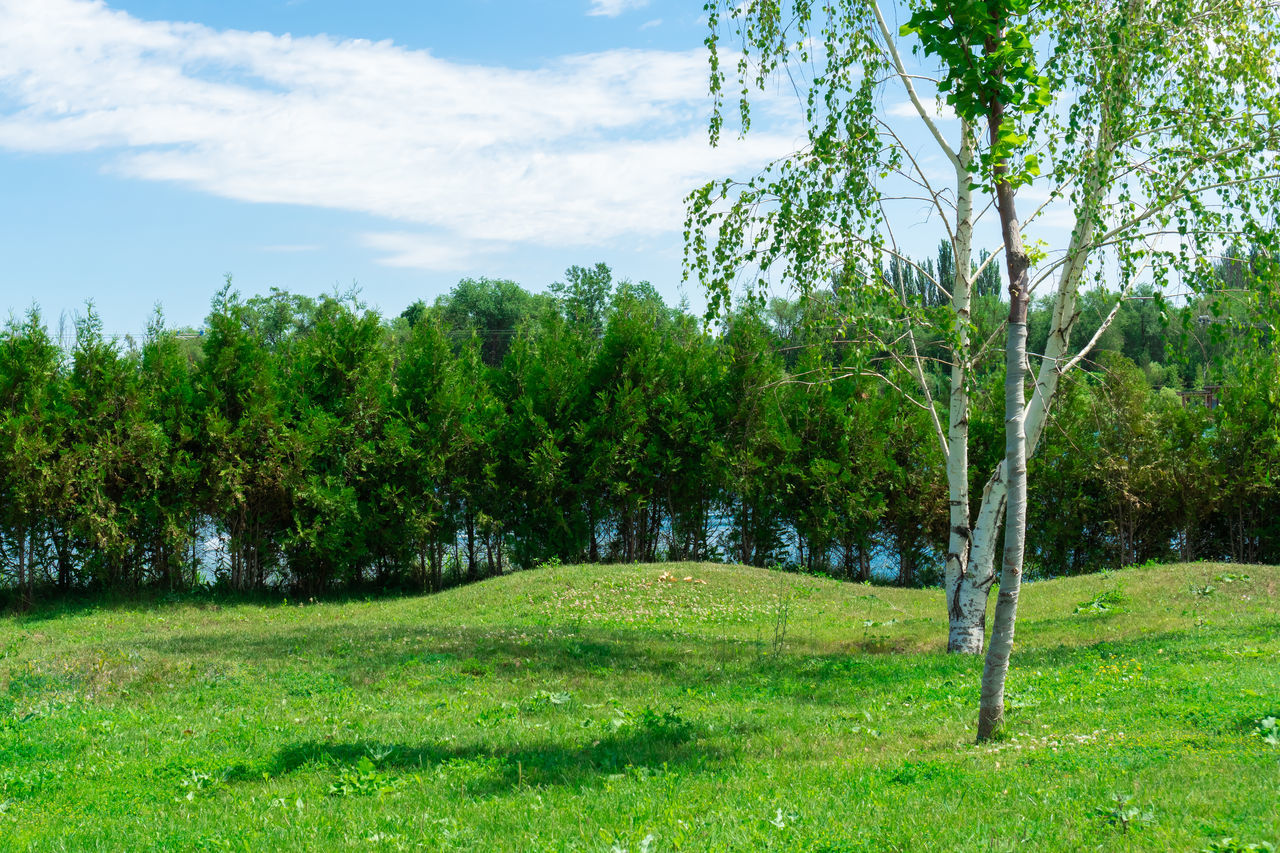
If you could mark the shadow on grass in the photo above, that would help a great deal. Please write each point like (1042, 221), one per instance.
(1193, 644)
(356, 656)
(51, 604)
(654, 742)
(378, 650)
(319, 658)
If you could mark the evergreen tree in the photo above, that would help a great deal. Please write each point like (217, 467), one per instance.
(30, 441)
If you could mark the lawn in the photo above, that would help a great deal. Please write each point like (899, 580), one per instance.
(607, 708)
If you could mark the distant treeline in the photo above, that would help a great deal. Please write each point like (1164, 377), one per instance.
(314, 445)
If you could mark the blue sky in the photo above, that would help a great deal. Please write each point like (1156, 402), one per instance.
(149, 147)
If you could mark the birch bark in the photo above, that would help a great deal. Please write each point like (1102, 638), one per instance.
(991, 706)
(962, 630)
(968, 597)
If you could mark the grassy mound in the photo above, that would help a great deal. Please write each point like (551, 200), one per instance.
(603, 708)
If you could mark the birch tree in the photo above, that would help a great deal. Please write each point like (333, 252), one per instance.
(1149, 126)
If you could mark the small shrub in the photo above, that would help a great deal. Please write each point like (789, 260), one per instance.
(545, 698)
(475, 667)
(667, 726)
(24, 783)
(1102, 602)
(1269, 730)
(362, 780)
(197, 783)
(1202, 591)
(1231, 845)
(1123, 814)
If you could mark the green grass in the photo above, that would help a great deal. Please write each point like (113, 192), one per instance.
(588, 708)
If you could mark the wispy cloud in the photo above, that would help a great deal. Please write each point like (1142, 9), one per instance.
(614, 8)
(425, 251)
(585, 150)
(933, 106)
(648, 25)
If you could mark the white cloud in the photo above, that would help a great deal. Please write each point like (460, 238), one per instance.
(586, 150)
(422, 251)
(648, 25)
(614, 8)
(935, 107)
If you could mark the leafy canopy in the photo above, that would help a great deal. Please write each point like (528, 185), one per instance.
(988, 63)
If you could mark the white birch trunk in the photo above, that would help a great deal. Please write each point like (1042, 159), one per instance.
(960, 635)
(967, 597)
(996, 668)
(991, 707)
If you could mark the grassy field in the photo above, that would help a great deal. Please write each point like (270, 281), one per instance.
(604, 708)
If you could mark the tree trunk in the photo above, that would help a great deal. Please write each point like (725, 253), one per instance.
(24, 591)
(62, 549)
(969, 599)
(968, 595)
(991, 708)
(966, 627)
(906, 567)
(488, 550)
(593, 551)
(655, 531)
(471, 544)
